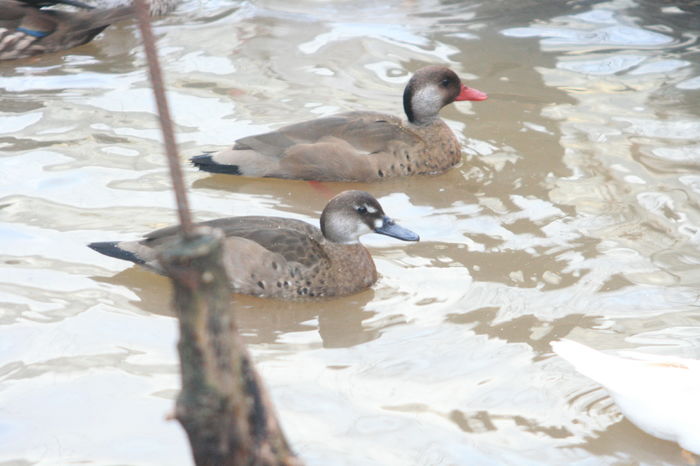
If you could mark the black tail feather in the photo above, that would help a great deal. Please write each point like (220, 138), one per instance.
(205, 162)
(111, 249)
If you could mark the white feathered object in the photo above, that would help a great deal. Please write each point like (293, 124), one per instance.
(659, 394)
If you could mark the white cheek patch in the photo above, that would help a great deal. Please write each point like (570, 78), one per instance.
(348, 229)
(427, 101)
(370, 209)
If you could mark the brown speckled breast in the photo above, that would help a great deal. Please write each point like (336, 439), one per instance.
(331, 270)
(438, 151)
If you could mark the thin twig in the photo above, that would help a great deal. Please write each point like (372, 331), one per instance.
(183, 210)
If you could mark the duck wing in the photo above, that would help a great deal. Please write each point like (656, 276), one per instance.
(367, 132)
(294, 240)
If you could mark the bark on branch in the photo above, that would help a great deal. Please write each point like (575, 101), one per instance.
(223, 405)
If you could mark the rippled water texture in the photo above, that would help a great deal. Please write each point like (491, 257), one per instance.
(575, 213)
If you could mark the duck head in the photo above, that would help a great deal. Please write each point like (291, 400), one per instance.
(430, 89)
(351, 214)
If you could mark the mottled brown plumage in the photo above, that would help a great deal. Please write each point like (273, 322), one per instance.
(357, 146)
(285, 258)
(27, 30)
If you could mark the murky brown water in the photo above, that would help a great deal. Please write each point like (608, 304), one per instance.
(575, 213)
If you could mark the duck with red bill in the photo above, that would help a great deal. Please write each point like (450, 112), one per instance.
(357, 146)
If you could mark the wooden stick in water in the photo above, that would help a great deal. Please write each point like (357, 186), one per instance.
(149, 45)
(223, 405)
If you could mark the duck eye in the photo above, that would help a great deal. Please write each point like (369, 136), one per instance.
(445, 82)
(361, 209)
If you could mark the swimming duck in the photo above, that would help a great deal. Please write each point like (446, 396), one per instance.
(357, 146)
(658, 394)
(26, 30)
(276, 257)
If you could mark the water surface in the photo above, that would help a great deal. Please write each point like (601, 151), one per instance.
(575, 213)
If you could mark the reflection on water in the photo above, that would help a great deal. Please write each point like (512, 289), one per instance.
(575, 213)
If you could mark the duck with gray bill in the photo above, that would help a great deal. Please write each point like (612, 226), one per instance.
(284, 258)
(357, 146)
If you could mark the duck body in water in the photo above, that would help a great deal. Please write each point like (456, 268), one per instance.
(284, 258)
(357, 146)
(27, 30)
